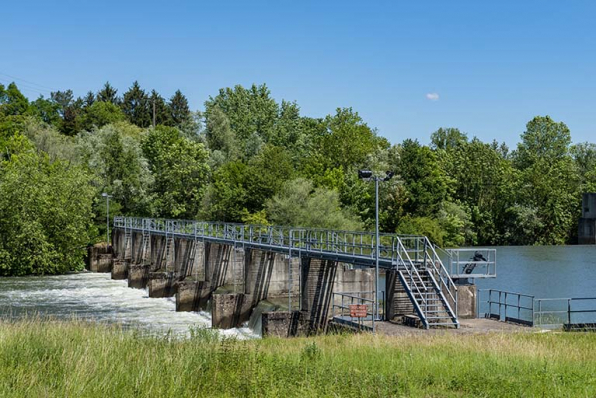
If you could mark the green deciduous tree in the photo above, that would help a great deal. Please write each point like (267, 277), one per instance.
(549, 180)
(424, 179)
(348, 141)
(249, 111)
(180, 169)
(45, 215)
(100, 114)
(300, 204)
(114, 155)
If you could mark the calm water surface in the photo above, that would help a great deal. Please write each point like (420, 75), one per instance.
(545, 271)
(94, 296)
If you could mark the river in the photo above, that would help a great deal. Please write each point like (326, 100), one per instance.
(545, 271)
(92, 296)
(542, 271)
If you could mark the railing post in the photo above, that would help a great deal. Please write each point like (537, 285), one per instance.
(569, 312)
(532, 310)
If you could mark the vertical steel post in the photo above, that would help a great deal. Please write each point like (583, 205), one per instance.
(108, 219)
(376, 314)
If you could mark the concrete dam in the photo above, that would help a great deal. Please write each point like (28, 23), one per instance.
(297, 281)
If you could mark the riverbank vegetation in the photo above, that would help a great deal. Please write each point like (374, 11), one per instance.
(57, 359)
(246, 157)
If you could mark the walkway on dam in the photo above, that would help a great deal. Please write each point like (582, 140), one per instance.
(235, 266)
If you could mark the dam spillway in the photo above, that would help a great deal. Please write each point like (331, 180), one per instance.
(230, 268)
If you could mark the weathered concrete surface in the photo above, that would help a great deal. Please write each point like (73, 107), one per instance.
(466, 301)
(317, 290)
(586, 233)
(192, 295)
(285, 324)
(99, 258)
(467, 326)
(120, 269)
(268, 275)
(138, 275)
(229, 310)
(397, 303)
(162, 284)
(224, 264)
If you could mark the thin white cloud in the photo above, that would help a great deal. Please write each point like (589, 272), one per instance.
(432, 96)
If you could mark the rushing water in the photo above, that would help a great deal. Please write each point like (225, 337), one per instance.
(92, 296)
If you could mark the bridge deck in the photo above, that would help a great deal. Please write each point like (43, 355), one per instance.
(342, 246)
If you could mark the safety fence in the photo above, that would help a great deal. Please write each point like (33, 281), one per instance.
(575, 313)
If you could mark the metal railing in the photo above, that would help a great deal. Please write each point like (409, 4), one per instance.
(578, 313)
(472, 263)
(410, 255)
(508, 306)
(343, 300)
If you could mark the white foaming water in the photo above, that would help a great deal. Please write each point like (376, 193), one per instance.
(92, 296)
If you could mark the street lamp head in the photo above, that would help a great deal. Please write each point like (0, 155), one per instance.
(389, 175)
(105, 195)
(365, 174)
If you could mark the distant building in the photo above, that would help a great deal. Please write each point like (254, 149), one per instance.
(587, 224)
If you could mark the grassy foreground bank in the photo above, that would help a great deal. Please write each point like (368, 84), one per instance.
(78, 359)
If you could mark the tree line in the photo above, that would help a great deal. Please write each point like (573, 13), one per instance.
(247, 158)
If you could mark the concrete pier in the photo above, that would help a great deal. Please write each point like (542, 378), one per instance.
(192, 295)
(99, 258)
(231, 280)
(138, 275)
(230, 310)
(162, 284)
(120, 269)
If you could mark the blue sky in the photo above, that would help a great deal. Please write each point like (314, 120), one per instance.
(408, 67)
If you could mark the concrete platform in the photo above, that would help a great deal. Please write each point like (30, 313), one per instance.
(467, 326)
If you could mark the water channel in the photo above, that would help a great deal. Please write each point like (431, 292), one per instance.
(92, 296)
(542, 271)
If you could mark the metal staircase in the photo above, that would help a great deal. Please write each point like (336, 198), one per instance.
(427, 283)
(425, 279)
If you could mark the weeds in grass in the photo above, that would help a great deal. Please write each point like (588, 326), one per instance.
(82, 359)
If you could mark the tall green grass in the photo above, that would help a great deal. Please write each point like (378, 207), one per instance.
(78, 359)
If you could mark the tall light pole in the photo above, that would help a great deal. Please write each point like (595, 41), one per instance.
(367, 175)
(105, 195)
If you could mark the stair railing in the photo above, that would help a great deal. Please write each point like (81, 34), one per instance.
(444, 283)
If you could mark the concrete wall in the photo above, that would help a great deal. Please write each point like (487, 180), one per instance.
(589, 205)
(285, 324)
(268, 275)
(586, 233)
(99, 258)
(397, 303)
(466, 301)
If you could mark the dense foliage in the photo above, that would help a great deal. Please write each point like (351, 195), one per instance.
(249, 158)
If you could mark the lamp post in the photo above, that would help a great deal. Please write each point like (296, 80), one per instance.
(105, 195)
(367, 175)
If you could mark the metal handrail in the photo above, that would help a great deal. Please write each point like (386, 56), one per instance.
(568, 311)
(404, 253)
(355, 298)
(504, 305)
